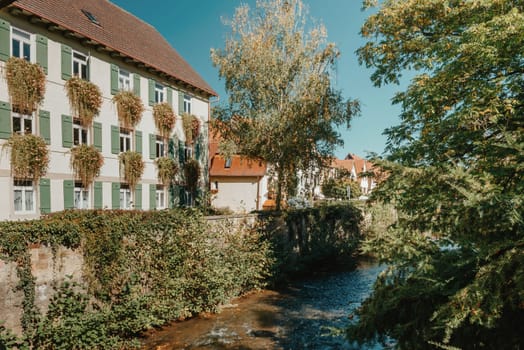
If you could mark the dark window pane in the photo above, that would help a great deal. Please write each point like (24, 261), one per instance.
(84, 72)
(27, 52)
(84, 136)
(76, 68)
(17, 125)
(28, 126)
(16, 48)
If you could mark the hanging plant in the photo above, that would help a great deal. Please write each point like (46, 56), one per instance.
(164, 118)
(86, 162)
(129, 108)
(85, 99)
(192, 174)
(29, 156)
(191, 127)
(132, 166)
(167, 169)
(25, 83)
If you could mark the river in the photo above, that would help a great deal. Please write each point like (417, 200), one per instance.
(302, 316)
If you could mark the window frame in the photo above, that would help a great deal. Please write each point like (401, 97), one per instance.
(122, 78)
(160, 147)
(187, 104)
(160, 197)
(24, 38)
(188, 152)
(84, 60)
(80, 132)
(23, 118)
(125, 193)
(160, 93)
(125, 135)
(24, 186)
(83, 200)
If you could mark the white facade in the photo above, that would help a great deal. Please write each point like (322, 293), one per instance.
(239, 194)
(60, 174)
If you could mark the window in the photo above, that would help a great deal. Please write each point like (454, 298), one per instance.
(81, 197)
(227, 164)
(125, 197)
(188, 152)
(159, 143)
(160, 196)
(124, 80)
(91, 17)
(80, 65)
(187, 104)
(80, 133)
(21, 44)
(125, 140)
(24, 196)
(22, 123)
(159, 93)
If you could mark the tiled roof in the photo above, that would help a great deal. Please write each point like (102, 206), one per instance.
(240, 167)
(120, 31)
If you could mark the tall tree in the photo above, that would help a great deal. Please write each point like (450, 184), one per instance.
(282, 105)
(456, 166)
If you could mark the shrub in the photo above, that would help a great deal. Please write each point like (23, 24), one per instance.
(167, 169)
(191, 127)
(164, 118)
(192, 174)
(25, 83)
(29, 156)
(132, 166)
(86, 162)
(129, 108)
(85, 99)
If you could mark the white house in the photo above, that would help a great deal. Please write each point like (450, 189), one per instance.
(108, 46)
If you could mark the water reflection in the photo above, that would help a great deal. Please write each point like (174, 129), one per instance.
(302, 316)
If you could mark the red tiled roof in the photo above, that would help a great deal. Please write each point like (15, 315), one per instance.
(118, 30)
(240, 167)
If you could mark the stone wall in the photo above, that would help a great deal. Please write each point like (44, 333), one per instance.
(48, 269)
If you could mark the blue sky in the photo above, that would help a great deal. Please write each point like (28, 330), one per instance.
(194, 27)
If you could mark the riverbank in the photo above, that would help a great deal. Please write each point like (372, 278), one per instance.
(300, 316)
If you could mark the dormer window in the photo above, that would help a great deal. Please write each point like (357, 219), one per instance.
(91, 17)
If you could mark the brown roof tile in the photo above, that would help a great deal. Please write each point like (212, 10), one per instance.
(240, 167)
(120, 31)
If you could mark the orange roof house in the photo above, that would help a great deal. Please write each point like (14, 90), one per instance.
(238, 183)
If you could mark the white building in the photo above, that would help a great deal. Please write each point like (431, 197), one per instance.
(108, 46)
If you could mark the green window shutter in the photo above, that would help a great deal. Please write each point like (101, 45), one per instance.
(151, 95)
(41, 51)
(181, 152)
(171, 192)
(69, 194)
(67, 62)
(97, 135)
(115, 139)
(5, 40)
(170, 96)
(45, 126)
(171, 148)
(182, 196)
(114, 79)
(180, 103)
(67, 131)
(152, 196)
(45, 196)
(99, 197)
(152, 146)
(115, 195)
(5, 120)
(138, 197)
(138, 141)
(136, 84)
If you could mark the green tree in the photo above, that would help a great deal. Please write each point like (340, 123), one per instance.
(282, 105)
(337, 187)
(455, 174)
